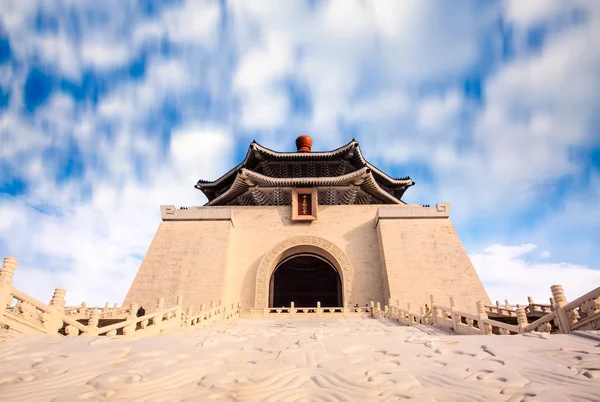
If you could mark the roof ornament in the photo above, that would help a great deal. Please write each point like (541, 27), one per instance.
(304, 143)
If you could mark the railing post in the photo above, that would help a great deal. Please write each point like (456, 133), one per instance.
(188, 315)
(531, 303)
(130, 329)
(160, 304)
(106, 308)
(55, 323)
(179, 307)
(319, 312)
(452, 314)
(507, 305)
(433, 309)
(93, 322)
(410, 320)
(497, 306)
(559, 301)
(58, 300)
(521, 319)
(212, 304)
(8, 269)
(83, 309)
(292, 312)
(483, 327)
(372, 308)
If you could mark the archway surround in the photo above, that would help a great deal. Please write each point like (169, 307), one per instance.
(302, 244)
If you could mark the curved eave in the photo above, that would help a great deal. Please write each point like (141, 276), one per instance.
(357, 158)
(352, 149)
(303, 155)
(247, 178)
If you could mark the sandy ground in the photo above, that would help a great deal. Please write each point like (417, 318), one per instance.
(300, 360)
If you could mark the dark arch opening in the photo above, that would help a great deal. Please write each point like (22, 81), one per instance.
(305, 279)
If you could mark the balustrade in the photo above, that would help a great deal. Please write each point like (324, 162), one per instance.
(23, 313)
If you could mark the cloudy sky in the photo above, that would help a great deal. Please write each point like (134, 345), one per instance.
(111, 108)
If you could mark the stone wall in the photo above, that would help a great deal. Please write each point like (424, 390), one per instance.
(213, 253)
(422, 255)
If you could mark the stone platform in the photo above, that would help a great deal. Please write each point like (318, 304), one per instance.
(300, 360)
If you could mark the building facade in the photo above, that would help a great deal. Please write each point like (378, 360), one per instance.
(305, 227)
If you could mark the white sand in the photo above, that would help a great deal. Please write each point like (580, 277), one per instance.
(300, 360)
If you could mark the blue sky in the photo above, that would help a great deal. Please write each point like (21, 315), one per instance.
(110, 109)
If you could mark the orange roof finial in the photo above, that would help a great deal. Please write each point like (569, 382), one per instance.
(304, 143)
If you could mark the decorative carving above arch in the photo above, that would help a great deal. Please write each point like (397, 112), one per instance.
(317, 245)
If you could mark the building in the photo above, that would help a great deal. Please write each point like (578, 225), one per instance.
(306, 227)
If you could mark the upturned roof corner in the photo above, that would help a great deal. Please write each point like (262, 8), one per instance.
(342, 169)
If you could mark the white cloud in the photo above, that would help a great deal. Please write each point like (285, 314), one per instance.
(102, 55)
(192, 22)
(100, 242)
(529, 12)
(506, 274)
(545, 254)
(434, 113)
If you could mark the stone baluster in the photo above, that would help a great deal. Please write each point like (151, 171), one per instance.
(54, 321)
(453, 315)
(212, 304)
(58, 300)
(130, 329)
(507, 305)
(83, 310)
(115, 310)
(319, 311)
(106, 308)
(93, 322)
(386, 311)
(498, 307)
(160, 305)
(433, 309)
(292, 310)
(531, 303)
(188, 315)
(179, 307)
(410, 320)
(8, 269)
(482, 315)
(378, 309)
(521, 319)
(559, 302)
(372, 308)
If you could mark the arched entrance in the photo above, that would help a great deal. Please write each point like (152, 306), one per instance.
(313, 245)
(305, 279)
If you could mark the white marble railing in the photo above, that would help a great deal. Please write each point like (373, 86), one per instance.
(582, 313)
(208, 317)
(83, 311)
(24, 314)
(310, 311)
